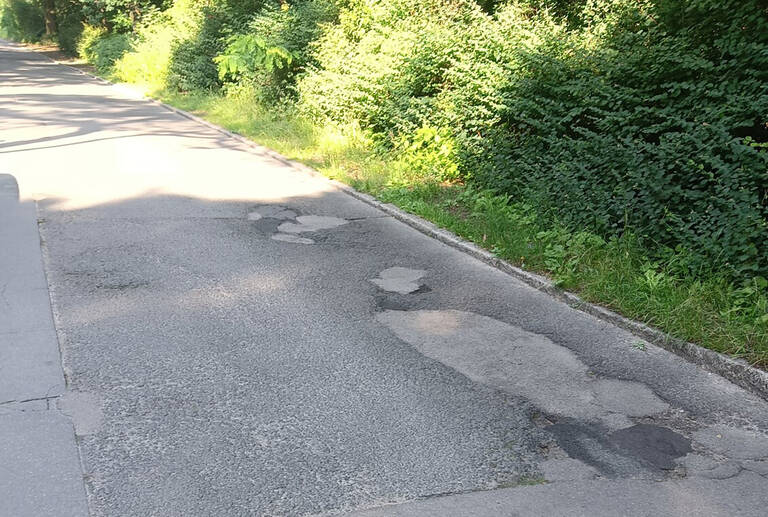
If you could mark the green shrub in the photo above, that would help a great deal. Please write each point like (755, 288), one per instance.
(69, 17)
(119, 16)
(288, 31)
(191, 64)
(175, 48)
(428, 157)
(101, 48)
(21, 20)
(361, 60)
(148, 61)
(645, 120)
(621, 115)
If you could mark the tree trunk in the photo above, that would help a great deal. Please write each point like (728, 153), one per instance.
(49, 12)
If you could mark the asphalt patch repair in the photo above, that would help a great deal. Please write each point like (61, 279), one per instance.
(286, 225)
(655, 445)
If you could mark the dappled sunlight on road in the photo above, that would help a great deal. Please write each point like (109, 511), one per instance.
(91, 150)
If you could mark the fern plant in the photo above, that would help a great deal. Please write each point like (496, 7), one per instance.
(246, 53)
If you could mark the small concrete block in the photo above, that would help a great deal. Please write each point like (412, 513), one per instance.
(30, 366)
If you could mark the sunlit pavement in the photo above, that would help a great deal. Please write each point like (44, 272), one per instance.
(239, 338)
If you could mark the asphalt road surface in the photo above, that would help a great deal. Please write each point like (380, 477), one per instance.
(226, 335)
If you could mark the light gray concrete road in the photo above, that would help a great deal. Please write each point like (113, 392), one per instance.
(239, 338)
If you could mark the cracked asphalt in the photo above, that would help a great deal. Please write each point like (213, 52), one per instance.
(189, 326)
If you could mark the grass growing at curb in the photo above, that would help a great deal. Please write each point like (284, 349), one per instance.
(707, 310)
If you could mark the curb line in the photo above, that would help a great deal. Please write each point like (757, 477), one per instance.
(735, 370)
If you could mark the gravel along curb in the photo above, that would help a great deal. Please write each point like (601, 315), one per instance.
(735, 370)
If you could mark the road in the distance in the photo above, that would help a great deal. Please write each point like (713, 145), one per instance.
(239, 338)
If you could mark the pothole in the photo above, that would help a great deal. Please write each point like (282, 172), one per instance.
(271, 212)
(400, 280)
(592, 419)
(522, 363)
(311, 223)
(285, 225)
(652, 444)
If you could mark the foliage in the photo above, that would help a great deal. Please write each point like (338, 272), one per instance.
(149, 60)
(191, 66)
(287, 32)
(621, 116)
(369, 65)
(21, 20)
(101, 48)
(429, 157)
(246, 53)
(118, 15)
(644, 123)
(69, 16)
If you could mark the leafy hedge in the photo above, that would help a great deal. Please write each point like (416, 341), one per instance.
(644, 116)
(21, 20)
(102, 48)
(657, 128)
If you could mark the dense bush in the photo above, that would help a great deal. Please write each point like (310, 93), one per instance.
(645, 116)
(69, 17)
(374, 49)
(101, 48)
(191, 64)
(155, 39)
(21, 20)
(652, 128)
(117, 15)
(280, 37)
(175, 49)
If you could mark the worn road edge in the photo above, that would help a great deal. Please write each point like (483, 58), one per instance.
(735, 370)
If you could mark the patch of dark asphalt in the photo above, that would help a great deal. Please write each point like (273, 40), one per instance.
(653, 444)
